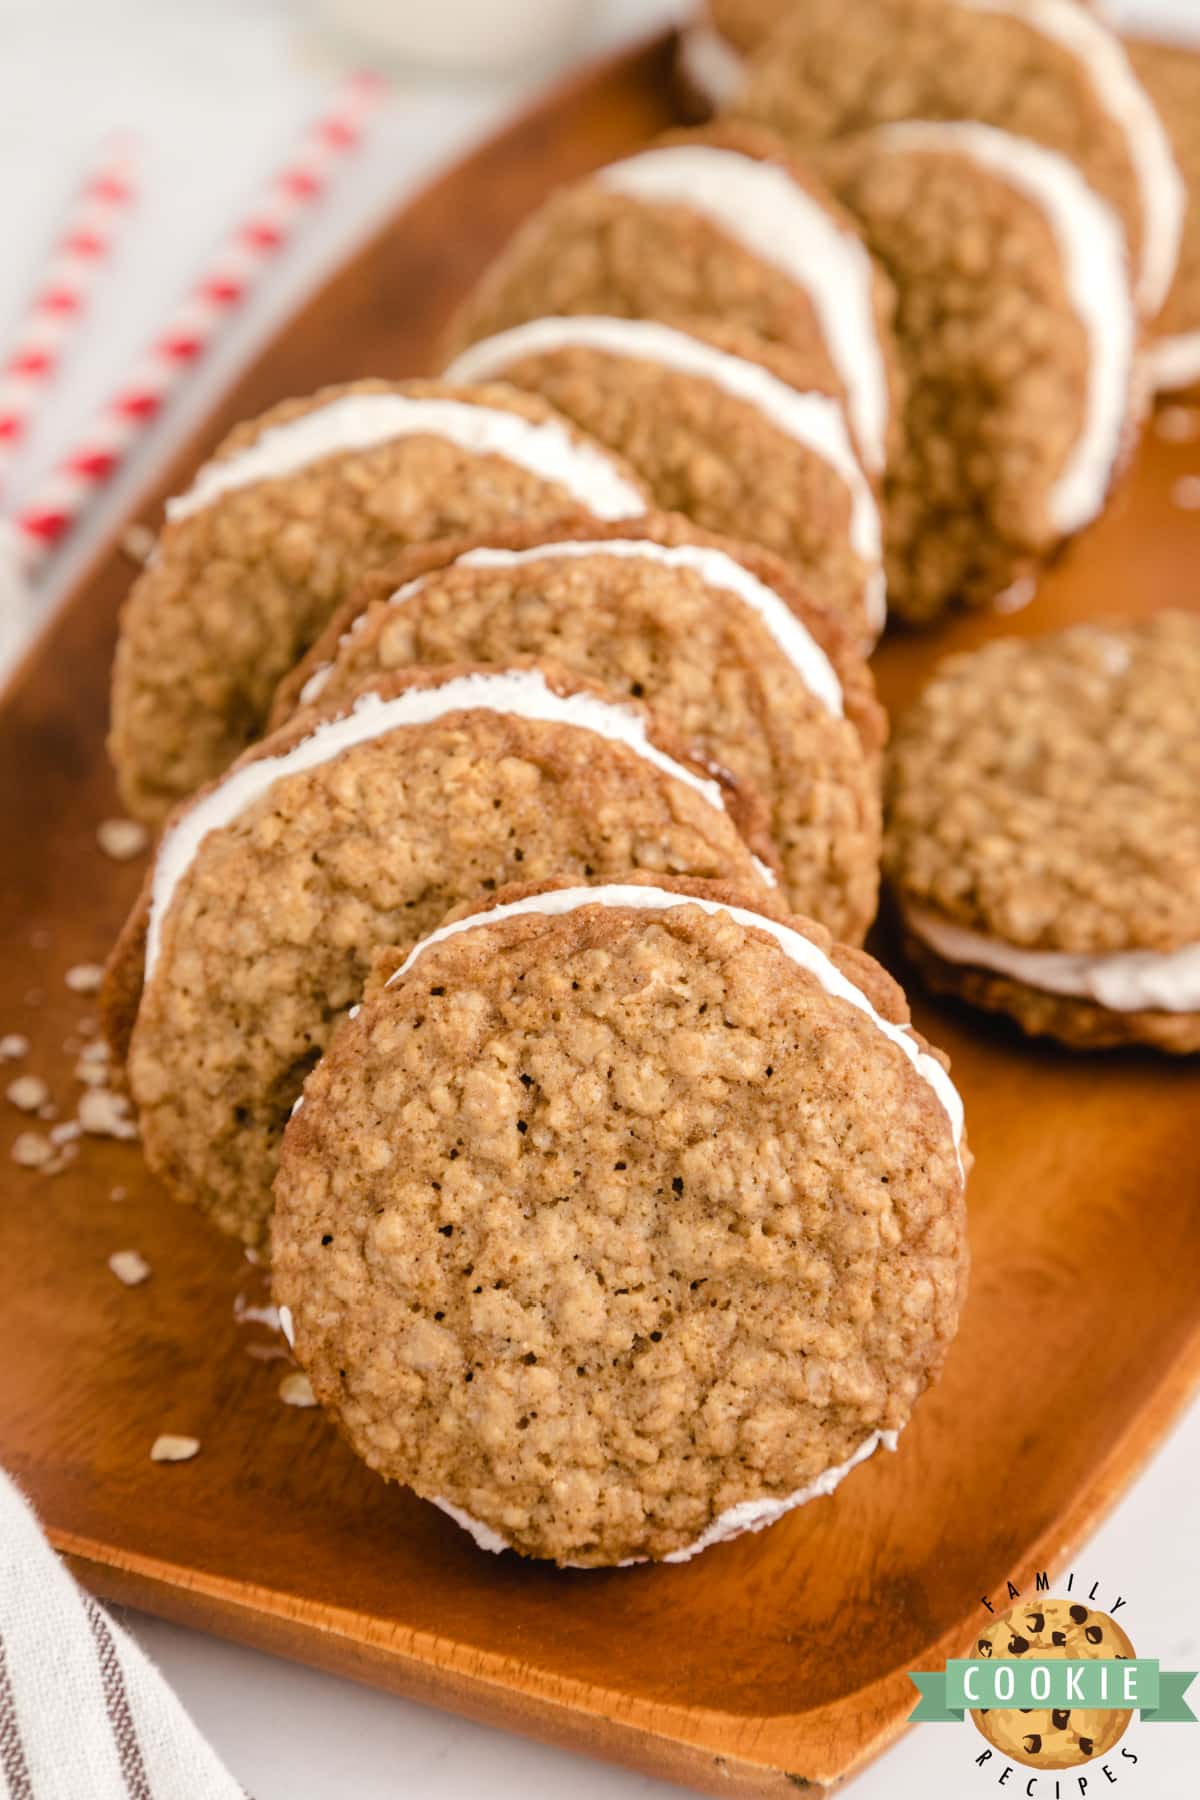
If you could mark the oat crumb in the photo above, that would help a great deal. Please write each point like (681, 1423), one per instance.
(85, 978)
(169, 1448)
(1177, 424)
(105, 1114)
(122, 839)
(129, 1266)
(296, 1390)
(1186, 493)
(29, 1092)
(67, 1132)
(32, 1150)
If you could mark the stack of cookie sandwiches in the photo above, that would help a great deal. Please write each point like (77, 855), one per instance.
(1009, 167)
(520, 781)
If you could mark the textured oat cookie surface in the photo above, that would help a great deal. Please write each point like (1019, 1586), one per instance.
(833, 67)
(998, 365)
(705, 662)
(240, 588)
(1046, 793)
(270, 933)
(715, 457)
(596, 1226)
(590, 249)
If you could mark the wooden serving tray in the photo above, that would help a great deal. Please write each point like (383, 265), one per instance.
(773, 1663)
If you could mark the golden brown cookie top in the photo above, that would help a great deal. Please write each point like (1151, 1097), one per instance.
(1046, 791)
(683, 1232)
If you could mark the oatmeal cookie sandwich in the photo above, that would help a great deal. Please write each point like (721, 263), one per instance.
(721, 426)
(290, 512)
(720, 224)
(730, 653)
(357, 827)
(1043, 832)
(623, 1219)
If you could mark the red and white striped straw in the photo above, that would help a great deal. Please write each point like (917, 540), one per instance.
(65, 288)
(240, 263)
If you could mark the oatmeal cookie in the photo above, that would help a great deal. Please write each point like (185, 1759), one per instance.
(623, 1219)
(1043, 831)
(1047, 70)
(719, 640)
(722, 427)
(291, 511)
(1017, 326)
(356, 828)
(718, 224)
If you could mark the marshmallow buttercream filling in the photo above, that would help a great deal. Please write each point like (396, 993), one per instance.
(812, 419)
(1091, 244)
(521, 693)
(1120, 981)
(763, 209)
(361, 422)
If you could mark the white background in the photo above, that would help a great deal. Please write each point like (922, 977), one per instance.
(217, 89)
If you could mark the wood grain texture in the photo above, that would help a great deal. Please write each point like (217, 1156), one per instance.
(771, 1664)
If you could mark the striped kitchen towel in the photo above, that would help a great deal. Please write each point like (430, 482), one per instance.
(83, 1714)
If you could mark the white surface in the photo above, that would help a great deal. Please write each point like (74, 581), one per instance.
(216, 89)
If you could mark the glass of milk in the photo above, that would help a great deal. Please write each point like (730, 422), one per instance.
(482, 36)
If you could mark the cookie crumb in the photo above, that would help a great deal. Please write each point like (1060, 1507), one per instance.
(28, 1092)
(32, 1150)
(169, 1448)
(129, 1266)
(122, 839)
(137, 543)
(85, 978)
(91, 1067)
(118, 1193)
(13, 1046)
(1016, 596)
(67, 1132)
(105, 1114)
(296, 1390)
(1177, 424)
(1186, 493)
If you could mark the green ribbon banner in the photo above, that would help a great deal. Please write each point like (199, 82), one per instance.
(999, 1684)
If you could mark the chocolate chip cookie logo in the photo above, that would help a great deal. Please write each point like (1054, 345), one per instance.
(1059, 1631)
(1053, 1685)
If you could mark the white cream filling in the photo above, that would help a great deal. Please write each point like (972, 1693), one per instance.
(521, 693)
(794, 944)
(1091, 243)
(1161, 189)
(814, 420)
(736, 1521)
(759, 206)
(1173, 363)
(715, 568)
(756, 1515)
(359, 422)
(1120, 981)
(710, 63)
